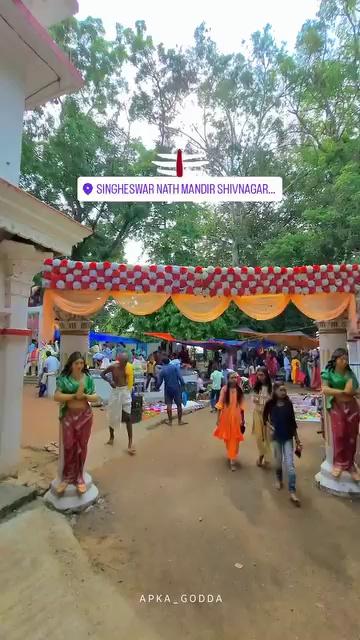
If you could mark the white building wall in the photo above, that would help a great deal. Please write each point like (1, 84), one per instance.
(12, 101)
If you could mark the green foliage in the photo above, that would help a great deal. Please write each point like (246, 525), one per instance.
(261, 111)
(82, 137)
(169, 320)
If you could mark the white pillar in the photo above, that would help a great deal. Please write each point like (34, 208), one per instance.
(74, 335)
(19, 263)
(333, 335)
(354, 355)
(354, 341)
(12, 104)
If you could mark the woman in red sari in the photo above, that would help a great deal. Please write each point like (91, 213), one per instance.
(230, 424)
(340, 388)
(272, 365)
(75, 390)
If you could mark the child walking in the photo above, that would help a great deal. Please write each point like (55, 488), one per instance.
(279, 413)
(230, 423)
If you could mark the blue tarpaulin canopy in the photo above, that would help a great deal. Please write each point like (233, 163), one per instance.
(255, 344)
(107, 337)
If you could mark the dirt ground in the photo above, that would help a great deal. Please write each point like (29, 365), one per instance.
(175, 521)
(50, 590)
(40, 419)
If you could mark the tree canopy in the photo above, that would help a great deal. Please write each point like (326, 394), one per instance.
(260, 111)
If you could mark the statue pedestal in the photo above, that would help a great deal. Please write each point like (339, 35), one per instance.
(71, 500)
(344, 487)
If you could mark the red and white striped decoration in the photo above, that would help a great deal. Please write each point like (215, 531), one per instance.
(208, 281)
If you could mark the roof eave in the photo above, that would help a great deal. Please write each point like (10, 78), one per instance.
(23, 215)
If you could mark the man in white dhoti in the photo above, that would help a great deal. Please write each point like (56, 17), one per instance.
(119, 407)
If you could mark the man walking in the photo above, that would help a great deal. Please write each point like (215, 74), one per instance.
(216, 383)
(119, 408)
(174, 384)
(150, 371)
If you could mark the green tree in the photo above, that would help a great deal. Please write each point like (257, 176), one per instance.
(323, 100)
(81, 136)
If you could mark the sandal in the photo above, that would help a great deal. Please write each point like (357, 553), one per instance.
(336, 472)
(61, 488)
(81, 488)
(232, 465)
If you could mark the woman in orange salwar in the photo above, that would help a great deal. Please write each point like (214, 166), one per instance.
(231, 424)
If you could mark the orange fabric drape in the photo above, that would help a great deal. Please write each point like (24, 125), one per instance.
(318, 306)
(80, 303)
(200, 308)
(322, 306)
(88, 302)
(140, 304)
(262, 306)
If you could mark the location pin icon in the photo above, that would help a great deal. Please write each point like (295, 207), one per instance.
(87, 188)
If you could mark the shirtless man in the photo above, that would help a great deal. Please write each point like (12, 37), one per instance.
(119, 408)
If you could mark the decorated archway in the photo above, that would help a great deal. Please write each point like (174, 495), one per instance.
(75, 290)
(321, 292)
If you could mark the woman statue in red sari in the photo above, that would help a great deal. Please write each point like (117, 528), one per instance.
(340, 387)
(75, 390)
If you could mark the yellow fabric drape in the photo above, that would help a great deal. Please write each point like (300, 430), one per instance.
(87, 302)
(79, 303)
(262, 306)
(318, 306)
(200, 308)
(322, 306)
(140, 304)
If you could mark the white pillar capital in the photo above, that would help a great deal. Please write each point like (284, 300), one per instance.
(71, 324)
(333, 327)
(74, 332)
(20, 263)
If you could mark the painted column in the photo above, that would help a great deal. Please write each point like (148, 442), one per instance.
(19, 263)
(74, 331)
(333, 335)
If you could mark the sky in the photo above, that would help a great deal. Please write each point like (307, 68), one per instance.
(173, 23)
(231, 21)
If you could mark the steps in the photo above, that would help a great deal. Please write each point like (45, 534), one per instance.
(30, 379)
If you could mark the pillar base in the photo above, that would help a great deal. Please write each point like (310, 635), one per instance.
(71, 500)
(345, 487)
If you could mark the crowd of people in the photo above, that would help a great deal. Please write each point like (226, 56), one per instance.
(42, 361)
(273, 423)
(273, 419)
(299, 367)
